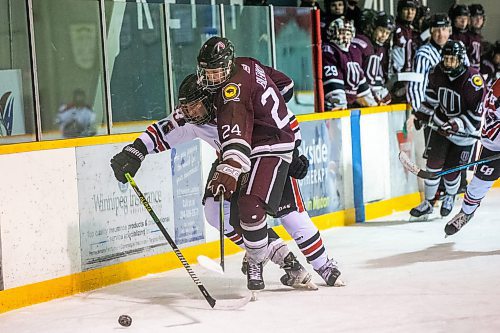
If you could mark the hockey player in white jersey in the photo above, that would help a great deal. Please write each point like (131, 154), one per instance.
(194, 118)
(485, 174)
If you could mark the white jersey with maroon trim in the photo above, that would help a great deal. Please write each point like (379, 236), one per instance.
(490, 131)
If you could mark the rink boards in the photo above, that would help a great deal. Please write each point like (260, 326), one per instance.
(67, 226)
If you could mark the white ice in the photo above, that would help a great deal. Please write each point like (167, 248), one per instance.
(402, 277)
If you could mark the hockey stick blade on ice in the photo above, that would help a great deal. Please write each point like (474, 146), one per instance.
(215, 304)
(413, 168)
(210, 265)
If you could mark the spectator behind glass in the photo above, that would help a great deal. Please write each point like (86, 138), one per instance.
(76, 119)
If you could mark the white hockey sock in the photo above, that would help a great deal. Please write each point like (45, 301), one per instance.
(307, 237)
(476, 191)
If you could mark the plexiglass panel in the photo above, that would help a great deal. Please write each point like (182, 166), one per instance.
(16, 93)
(294, 54)
(190, 26)
(136, 57)
(70, 68)
(248, 29)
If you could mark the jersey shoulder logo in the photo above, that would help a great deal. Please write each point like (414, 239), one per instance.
(231, 92)
(477, 81)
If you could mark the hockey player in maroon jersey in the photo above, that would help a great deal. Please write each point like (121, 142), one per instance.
(485, 174)
(405, 42)
(194, 118)
(452, 104)
(371, 41)
(344, 81)
(257, 142)
(474, 49)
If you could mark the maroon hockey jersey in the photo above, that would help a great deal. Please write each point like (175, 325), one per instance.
(405, 43)
(459, 99)
(252, 117)
(342, 71)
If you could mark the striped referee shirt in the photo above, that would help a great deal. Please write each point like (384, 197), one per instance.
(427, 56)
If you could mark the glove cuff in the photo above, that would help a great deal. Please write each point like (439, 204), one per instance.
(229, 170)
(134, 151)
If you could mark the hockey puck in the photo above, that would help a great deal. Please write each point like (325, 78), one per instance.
(125, 320)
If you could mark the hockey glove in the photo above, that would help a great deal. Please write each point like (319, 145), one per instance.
(421, 119)
(448, 128)
(225, 179)
(299, 166)
(128, 160)
(382, 96)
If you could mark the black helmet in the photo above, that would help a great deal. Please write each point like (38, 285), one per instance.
(190, 95)
(476, 10)
(439, 21)
(457, 49)
(366, 20)
(407, 4)
(383, 20)
(458, 10)
(216, 55)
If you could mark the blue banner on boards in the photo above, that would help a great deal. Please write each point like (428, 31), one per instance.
(322, 189)
(187, 187)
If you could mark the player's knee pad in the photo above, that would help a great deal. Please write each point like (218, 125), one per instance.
(252, 211)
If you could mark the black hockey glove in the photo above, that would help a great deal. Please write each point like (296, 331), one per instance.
(128, 160)
(421, 119)
(299, 166)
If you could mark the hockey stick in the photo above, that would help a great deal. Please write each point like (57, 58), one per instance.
(221, 229)
(212, 301)
(413, 168)
(460, 134)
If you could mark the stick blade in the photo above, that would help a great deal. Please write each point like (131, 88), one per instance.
(408, 164)
(232, 304)
(210, 265)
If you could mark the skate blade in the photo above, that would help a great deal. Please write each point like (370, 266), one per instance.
(307, 286)
(422, 218)
(339, 283)
(254, 297)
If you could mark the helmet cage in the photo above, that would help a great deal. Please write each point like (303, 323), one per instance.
(341, 32)
(195, 103)
(198, 111)
(214, 78)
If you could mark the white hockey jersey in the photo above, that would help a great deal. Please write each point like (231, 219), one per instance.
(490, 131)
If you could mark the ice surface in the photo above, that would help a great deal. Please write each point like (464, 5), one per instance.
(402, 277)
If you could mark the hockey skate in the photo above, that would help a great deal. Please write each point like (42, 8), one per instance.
(421, 212)
(330, 273)
(447, 205)
(296, 275)
(255, 279)
(456, 223)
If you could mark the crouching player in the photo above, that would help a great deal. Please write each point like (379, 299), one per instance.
(195, 118)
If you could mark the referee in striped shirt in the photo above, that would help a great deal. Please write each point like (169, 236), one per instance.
(426, 57)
